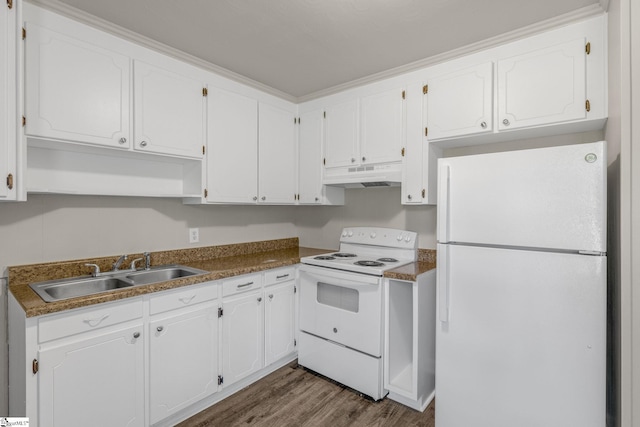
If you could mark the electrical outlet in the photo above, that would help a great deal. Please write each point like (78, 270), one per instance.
(194, 235)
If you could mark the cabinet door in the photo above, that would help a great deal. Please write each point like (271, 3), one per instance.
(183, 360)
(75, 90)
(276, 155)
(310, 158)
(242, 336)
(542, 87)
(382, 127)
(279, 321)
(93, 382)
(8, 82)
(412, 174)
(232, 149)
(460, 103)
(169, 112)
(341, 135)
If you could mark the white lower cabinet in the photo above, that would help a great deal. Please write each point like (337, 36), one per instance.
(242, 336)
(279, 317)
(183, 351)
(409, 359)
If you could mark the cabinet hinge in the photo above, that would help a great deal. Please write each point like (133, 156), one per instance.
(403, 94)
(10, 181)
(423, 193)
(587, 105)
(324, 161)
(298, 120)
(203, 150)
(425, 89)
(35, 366)
(295, 289)
(426, 131)
(295, 343)
(220, 311)
(205, 91)
(24, 121)
(295, 120)
(402, 151)
(220, 380)
(324, 114)
(10, 4)
(24, 33)
(206, 193)
(587, 48)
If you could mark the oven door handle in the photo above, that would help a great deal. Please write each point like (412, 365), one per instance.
(354, 280)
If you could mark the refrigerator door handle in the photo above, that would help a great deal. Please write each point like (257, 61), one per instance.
(444, 190)
(443, 282)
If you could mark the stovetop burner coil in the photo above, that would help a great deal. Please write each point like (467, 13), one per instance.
(387, 260)
(344, 255)
(325, 257)
(369, 263)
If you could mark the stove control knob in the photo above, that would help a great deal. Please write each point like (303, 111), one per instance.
(399, 238)
(407, 239)
(373, 235)
(350, 233)
(344, 233)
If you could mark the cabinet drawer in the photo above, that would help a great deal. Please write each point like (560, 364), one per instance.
(183, 297)
(241, 284)
(279, 275)
(88, 319)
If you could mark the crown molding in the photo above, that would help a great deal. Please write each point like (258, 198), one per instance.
(530, 30)
(104, 25)
(121, 32)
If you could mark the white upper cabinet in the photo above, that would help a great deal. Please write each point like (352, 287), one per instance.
(309, 158)
(169, 112)
(543, 86)
(341, 134)
(75, 89)
(276, 155)
(8, 104)
(382, 126)
(460, 103)
(232, 159)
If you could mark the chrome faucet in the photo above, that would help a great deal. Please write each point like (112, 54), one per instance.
(118, 263)
(147, 260)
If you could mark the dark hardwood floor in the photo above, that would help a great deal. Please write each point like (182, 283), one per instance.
(292, 396)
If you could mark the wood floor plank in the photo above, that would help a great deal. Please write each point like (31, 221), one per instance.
(293, 396)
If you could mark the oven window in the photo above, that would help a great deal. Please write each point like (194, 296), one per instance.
(338, 297)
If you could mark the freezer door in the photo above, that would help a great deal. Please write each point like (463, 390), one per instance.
(544, 198)
(522, 341)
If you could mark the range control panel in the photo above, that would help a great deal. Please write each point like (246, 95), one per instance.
(389, 237)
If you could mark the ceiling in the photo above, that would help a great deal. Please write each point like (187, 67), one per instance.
(302, 47)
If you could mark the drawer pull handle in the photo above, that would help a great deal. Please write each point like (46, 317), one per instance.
(160, 328)
(95, 322)
(282, 276)
(244, 285)
(186, 300)
(335, 330)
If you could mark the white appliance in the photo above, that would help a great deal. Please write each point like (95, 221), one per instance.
(521, 331)
(341, 306)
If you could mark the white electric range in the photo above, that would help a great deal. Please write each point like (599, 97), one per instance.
(342, 306)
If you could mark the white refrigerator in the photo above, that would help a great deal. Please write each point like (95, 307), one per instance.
(521, 331)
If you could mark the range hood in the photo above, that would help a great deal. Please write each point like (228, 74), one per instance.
(366, 176)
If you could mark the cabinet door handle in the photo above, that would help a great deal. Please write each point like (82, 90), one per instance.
(244, 285)
(506, 122)
(122, 140)
(353, 160)
(95, 322)
(409, 196)
(264, 198)
(136, 335)
(255, 198)
(483, 125)
(364, 159)
(270, 296)
(259, 299)
(160, 328)
(143, 144)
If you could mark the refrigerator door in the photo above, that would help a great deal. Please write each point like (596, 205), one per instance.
(522, 341)
(552, 198)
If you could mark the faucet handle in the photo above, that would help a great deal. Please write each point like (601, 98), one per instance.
(133, 263)
(96, 269)
(147, 260)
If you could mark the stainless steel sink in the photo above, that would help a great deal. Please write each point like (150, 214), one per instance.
(58, 290)
(162, 274)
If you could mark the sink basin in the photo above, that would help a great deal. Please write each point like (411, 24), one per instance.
(56, 290)
(162, 274)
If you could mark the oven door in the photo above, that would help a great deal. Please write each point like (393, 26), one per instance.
(342, 307)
